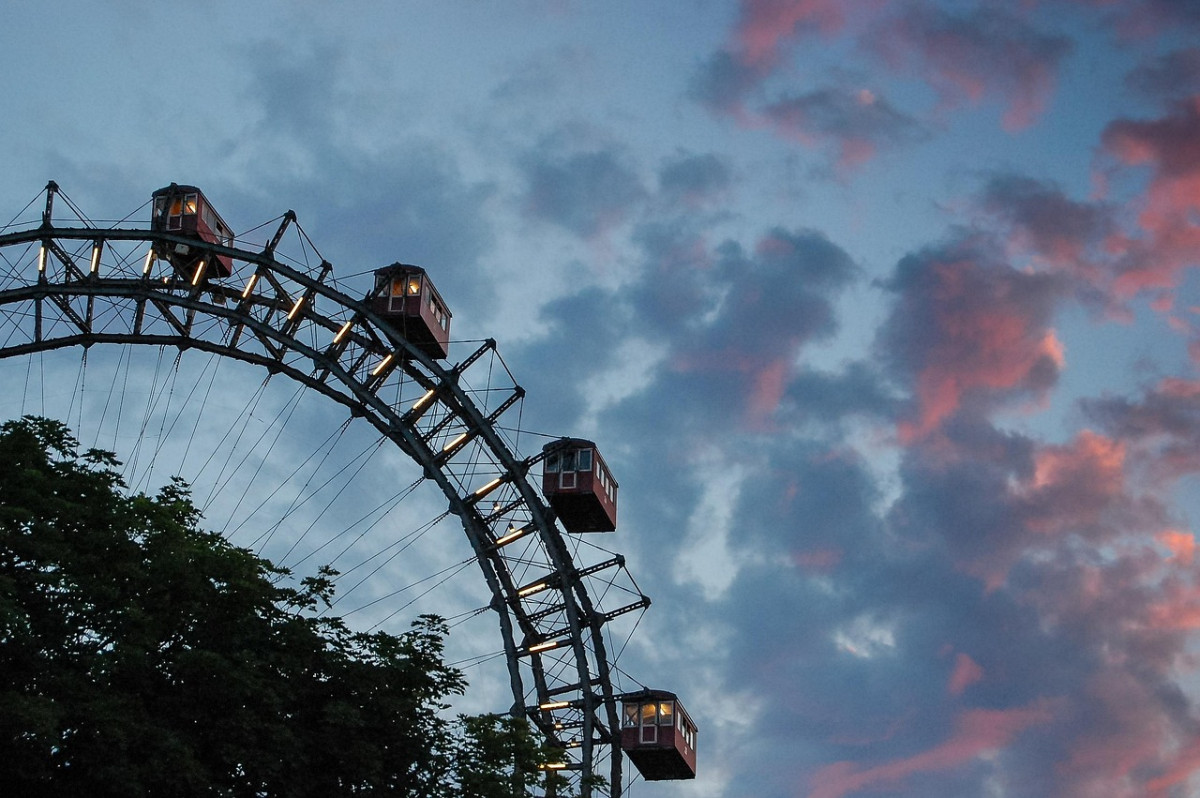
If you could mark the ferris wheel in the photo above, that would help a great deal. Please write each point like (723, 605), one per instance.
(182, 311)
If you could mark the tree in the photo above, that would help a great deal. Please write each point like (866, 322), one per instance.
(141, 655)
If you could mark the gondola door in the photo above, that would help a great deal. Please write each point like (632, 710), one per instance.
(567, 477)
(649, 724)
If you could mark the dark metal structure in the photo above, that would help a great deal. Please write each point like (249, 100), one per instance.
(71, 284)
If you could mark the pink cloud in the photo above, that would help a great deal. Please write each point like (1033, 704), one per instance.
(976, 732)
(1038, 219)
(818, 560)
(766, 26)
(1182, 545)
(1162, 431)
(1074, 484)
(976, 56)
(1127, 740)
(966, 673)
(853, 123)
(1169, 221)
(1186, 762)
(982, 332)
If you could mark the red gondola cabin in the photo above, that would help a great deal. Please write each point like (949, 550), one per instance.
(658, 736)
(406, 298)
(184, 211)
(578, 485)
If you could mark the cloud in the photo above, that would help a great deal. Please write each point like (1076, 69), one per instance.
(1172, 76)
(855, 124)
(852, 122)
(983, 54)
(1168, 240)
(968, 328)
(771, 303)
(691, 182)
(966, 673)
(585, 192)
(977, 732)
(1039, 218)
(723, 84)
(767, 26)
(1161, 428)
(765, 31)
(1139, 19)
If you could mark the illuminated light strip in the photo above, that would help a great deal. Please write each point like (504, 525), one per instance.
(295, 309)
(545, 645)
(337, 339)
(529, 591)
(149, 262)
(455, 442)
(250, 285)
(96, 257)
(199, 272)
(424, 400)
(553, 766)
(514, 534)
(382, 365)
(488, 488)
(549, 705)
(42, 260)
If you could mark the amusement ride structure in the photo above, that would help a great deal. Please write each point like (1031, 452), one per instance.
(187, 284)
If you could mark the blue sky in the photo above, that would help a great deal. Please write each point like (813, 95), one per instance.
(885, 315)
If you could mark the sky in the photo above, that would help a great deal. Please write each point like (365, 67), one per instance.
(885, 315)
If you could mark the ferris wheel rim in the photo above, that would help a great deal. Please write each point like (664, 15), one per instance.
(593, 697)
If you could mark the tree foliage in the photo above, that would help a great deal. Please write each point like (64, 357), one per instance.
(141, 655)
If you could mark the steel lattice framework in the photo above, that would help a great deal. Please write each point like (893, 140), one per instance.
(77, 284)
